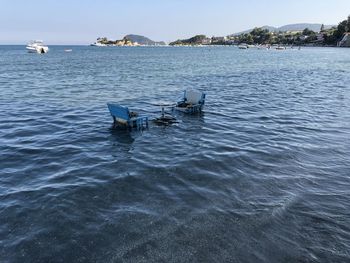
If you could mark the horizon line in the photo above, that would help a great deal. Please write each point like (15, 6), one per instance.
(167, 42)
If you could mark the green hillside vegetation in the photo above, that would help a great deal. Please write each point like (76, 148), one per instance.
(324, 36)
(130, 40)
(196, 40)
(143, 40)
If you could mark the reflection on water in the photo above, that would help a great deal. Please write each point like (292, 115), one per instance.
(122, 136)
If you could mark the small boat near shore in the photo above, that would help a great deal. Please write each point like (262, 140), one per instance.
(37, 46)
(98, 44)
(280, 48)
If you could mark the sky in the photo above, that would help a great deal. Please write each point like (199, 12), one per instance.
(82, 21)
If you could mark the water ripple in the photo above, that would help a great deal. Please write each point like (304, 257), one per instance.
(261, 176)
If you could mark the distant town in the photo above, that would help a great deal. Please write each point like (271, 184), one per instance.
(290, 35)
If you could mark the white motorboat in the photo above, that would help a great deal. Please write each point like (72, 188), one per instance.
(243, 46)
(37, 46)
(262, 47)
(98, 44)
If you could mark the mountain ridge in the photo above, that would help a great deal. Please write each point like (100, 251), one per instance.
(142, 40)
(290, 27)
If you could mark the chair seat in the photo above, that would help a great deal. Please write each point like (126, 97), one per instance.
(192, 102)
(122, 117)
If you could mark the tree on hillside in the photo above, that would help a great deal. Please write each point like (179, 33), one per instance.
(335, 34)
(322, 28)
(341, 29)
(259, 36)
(198, 39)
(102, 40)
(330, 39)
(250, 39)
(307, 32)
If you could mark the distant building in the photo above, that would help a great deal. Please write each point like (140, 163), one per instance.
(345, 42)
(206, 41)
(230, 42)
(320, 37)
(303, 37)
(218, 39)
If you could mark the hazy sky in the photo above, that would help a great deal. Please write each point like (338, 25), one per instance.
(82, 21)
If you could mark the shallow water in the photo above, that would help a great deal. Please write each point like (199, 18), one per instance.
(262, 175)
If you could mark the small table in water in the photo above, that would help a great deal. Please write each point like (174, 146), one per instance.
(164, 118)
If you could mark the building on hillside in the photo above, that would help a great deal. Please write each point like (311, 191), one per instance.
(218, 39)
(206, 41)
(230, 42)
(345, 42)
(320, 37)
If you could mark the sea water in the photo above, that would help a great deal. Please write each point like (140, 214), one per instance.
(262, 175)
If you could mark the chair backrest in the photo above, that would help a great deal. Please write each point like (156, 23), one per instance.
(118, 111)
(194, 97)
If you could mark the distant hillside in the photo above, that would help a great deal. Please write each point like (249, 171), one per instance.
(291, 27)
(143, 40)
(300, 27)
(196, 40)
(270, 28)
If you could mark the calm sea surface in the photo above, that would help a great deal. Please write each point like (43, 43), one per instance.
(263, 175)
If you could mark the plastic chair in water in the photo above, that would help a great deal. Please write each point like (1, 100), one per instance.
(122, 117)
(192, 102)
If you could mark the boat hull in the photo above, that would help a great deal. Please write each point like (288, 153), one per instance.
(37, 47)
